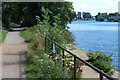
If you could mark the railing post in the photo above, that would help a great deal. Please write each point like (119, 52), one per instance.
(74, 67)
(63, 58)
(55, 52)
(54, 48)
(101, 76)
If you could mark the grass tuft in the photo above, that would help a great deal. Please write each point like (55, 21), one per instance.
(3, 34)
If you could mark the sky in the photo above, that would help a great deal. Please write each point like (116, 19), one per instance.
(95, 6)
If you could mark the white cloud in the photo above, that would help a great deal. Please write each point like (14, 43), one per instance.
(95, 6)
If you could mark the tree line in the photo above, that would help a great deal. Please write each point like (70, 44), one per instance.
(27, 12)
(111, 17)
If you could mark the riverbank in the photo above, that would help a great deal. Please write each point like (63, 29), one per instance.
(97, 36)
(96, 20)
(85, 69)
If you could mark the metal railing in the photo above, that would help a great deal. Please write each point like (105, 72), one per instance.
(101, 73)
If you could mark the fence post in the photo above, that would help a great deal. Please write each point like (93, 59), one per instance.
(63, 58)
(101, 76)
(55, 52)
(54, 48)
(74, 67)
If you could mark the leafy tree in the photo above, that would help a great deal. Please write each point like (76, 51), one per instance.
(27, 11)
(102, 16)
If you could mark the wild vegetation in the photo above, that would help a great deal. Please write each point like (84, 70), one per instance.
(50, 20)
(3, 34)
(26, 12)
(38, 58)
(101, 61)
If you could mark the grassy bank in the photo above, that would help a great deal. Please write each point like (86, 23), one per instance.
(44, 62)
(40, 65)
(3, 34)
(38, 58)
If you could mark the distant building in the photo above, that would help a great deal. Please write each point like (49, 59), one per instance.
(79, 15)
(75, 15)
(86, 15)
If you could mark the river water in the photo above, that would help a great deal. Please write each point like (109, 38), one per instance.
(97, 36)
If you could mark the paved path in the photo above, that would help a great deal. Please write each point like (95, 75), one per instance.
(13, 56)
(0, 61)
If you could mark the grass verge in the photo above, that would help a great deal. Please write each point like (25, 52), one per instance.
(3, 34)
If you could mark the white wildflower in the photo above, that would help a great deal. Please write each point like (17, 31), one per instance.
(71, 62)
(40, 60)
(66, 64)
(48, 66)
(56, 58)
(46, 55)
(36, 57)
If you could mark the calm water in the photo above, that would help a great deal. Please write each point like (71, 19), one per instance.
(96, 36)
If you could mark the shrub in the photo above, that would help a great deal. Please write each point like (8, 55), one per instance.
(116, 20)
(101, 61)
(54, 32)
(27, 35)
(42, 63)
(97, 55)
(40, 66)
(105, 66)
(37, 42)
(13, 24)
(68, 36)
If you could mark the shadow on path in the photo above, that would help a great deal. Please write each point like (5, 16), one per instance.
(14, 55)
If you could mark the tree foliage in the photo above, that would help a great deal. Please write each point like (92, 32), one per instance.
(27, 12)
